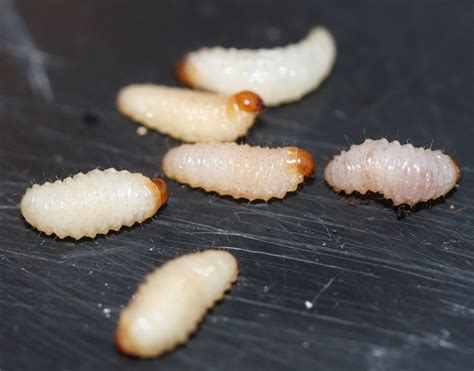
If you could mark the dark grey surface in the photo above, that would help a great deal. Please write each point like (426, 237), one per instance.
(386, 294)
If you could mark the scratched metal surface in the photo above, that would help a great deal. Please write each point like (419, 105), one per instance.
(382, 294)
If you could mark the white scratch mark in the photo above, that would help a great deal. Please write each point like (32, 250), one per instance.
(310, 304)
(15, 37)
(9, 207)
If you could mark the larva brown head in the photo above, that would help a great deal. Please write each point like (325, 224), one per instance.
(457, 167)
(184, 73)
(303, 160)
(249, 101)
(163, 188)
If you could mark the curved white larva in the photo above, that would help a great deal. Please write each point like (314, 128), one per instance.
(240, 171)
(188, 115)
(169, 305)
(402, 173)
(94, 203)
(278, 75)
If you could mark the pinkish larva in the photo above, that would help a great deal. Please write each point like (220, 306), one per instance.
(278, 75)
(169, 305)
(402, 173)
(86, 205)
(240, 171)
(188, 115)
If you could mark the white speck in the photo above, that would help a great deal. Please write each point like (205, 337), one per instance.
(106, 284)
(99, 305)
(141, 130)
(308, 304)
(107, 312)
(305, 344)
(265, 288)
(445, 333)
(273, 33)
(324, 243)
(151, 249)
(451, 207)
(90, 272)
(378, 352)
(341, 115)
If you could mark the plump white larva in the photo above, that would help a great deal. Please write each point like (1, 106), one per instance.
(169, 305)
(402, 173)
(188, 115)
(278, 75)
(240, 171)
(94, 203)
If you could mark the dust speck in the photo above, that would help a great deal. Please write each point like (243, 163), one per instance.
(141, 130)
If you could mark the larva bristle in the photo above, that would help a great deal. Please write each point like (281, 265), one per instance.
(162, 187)
(249, 101)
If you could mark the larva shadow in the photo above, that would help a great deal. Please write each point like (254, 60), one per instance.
(243, 201)
(98, 237)
(401, 211)
(261, 124)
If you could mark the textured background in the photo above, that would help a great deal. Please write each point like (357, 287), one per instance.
(386, 294)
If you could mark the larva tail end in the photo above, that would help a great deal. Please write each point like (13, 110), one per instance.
(126, 345)
(119, 340)
(163, 188)
(123, 343)
(184, 73)
(304, 161)
(249, 101)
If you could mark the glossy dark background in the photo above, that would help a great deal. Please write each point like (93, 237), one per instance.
(387, 294)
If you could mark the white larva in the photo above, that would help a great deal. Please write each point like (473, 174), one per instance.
(169, 305)
(278, 75)
(240, 171)
(188, 115)
(402, 173)
(94, 203)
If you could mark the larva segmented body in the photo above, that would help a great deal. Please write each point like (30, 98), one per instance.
(94, 203)
(240, 171)
(169, 305)
(402, 173)
(191, 116)
(278, 75)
